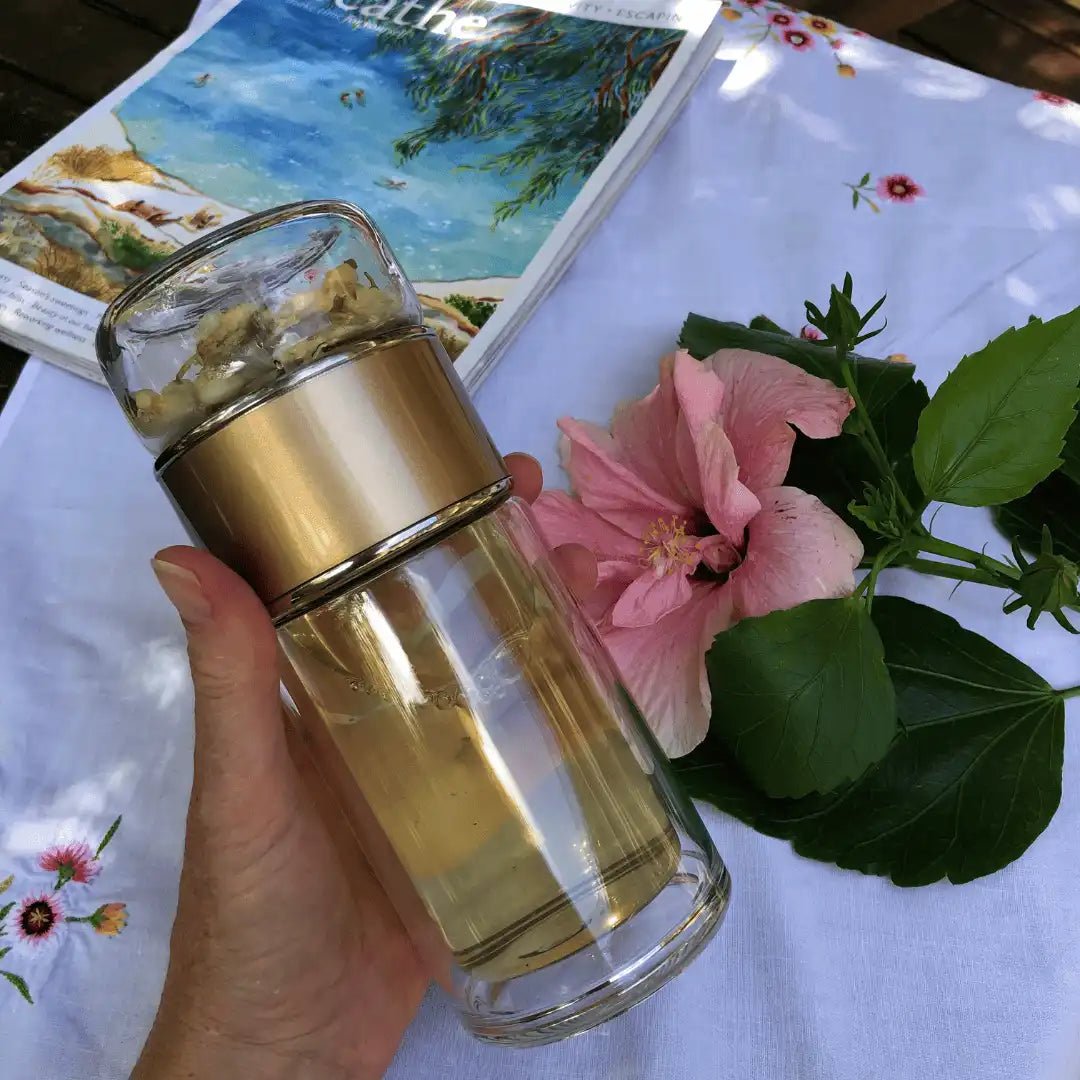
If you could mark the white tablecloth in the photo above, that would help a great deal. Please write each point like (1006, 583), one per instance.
(817, 973)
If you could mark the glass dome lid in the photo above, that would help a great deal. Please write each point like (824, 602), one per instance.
(227, 317)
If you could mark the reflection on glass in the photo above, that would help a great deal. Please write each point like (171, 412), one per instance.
(477, 722)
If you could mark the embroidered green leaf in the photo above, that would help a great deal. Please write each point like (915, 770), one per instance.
(5, 951)
(5, 911)
(19, 984)
(802, 696)
(6, 883)
(108, 836)
(996, 426)
(854, 200)
(865, 180)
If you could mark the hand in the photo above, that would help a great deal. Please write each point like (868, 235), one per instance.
(287, 959)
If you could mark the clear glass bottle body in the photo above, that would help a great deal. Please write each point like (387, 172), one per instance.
(516, 808)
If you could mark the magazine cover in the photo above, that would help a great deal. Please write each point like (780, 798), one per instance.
(466, 128)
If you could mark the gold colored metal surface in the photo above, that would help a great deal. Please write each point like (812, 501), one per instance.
(365, 563)
(311, 478)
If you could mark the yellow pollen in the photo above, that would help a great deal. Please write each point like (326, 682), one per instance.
(665, 545)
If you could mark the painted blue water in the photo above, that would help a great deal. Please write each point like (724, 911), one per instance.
(268, 127)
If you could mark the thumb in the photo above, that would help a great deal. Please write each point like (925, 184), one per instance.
(232, 649)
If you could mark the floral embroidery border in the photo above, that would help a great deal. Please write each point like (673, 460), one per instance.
(789, 27)
(40, 915)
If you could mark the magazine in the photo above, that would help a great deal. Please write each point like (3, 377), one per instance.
(485, 138)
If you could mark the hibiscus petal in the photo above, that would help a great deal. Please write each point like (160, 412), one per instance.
(612, 580)
(562, 519)
(663, 667)
(650, 597)
(717, 553)
(797, 549)
(644, 436)
(606, 485)
(764, 396)
(728, 502)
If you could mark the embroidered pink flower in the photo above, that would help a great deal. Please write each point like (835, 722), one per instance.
(899, 188)
(782, 18)
(684, 506)
(799, 40)
(71, 862)
(38, 917)
(810, 333)
(1051, 99)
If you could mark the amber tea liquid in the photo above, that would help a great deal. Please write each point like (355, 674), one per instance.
(469, 761)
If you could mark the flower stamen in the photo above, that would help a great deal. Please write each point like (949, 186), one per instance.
(668, 549)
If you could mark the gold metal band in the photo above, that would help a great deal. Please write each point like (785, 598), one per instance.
(352, 465)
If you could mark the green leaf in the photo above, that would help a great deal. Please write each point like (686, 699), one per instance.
(1070, 454)
(1054, 502)
(19, 984)
(995, 427)
(878, 511)
(854, 200)
(6, 910)
(802, 696)
(865, 180)
(108, 836)
(966, 789)
(6, 883)
(5, 951)
(763, 322)
(837, 470)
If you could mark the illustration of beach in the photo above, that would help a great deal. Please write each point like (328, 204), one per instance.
(447, 143)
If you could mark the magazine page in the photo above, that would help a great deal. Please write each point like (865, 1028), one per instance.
(467, 129)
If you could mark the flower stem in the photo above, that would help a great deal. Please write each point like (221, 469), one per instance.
(993, 567)
(869, 435)
(885, 558)
(933, 568)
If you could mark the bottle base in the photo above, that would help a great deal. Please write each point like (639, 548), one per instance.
(636, 961)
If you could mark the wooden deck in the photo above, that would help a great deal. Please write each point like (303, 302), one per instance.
(57, 57)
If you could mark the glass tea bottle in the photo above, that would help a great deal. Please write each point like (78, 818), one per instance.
(311, 432)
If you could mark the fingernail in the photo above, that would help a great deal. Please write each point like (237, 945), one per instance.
(184, 591)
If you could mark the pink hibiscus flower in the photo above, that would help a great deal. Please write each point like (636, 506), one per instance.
(683, 504)
(782, 18)
(71, 862)
(799, 40)
(899, 188)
